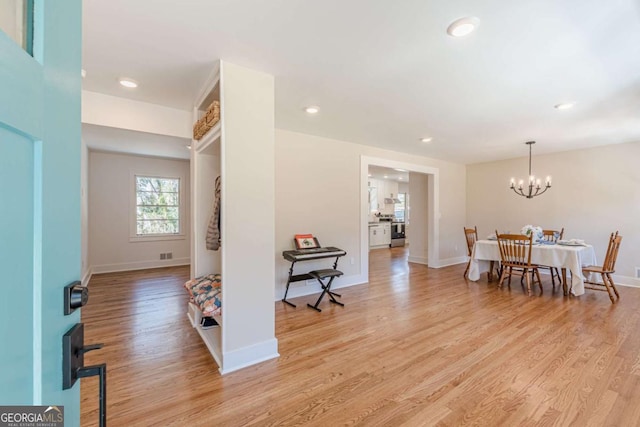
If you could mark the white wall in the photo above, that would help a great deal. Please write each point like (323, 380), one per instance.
(122, 113)
(84, 212)
(318, 192)
(418, 201)
(595, 192)
(247, 216)
(110, 198)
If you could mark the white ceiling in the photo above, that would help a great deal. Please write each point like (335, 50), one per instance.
(386, 73)
(380, 172)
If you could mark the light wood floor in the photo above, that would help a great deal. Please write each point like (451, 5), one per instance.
(416, 347)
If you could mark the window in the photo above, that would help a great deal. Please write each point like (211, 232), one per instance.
(16, 20)
(400, 207)
(157, 206)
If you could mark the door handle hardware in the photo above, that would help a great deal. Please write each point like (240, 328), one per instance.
(91, 347)
(73, 350)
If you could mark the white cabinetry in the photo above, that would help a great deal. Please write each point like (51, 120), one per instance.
(376, 191)
(386, 233)
(242, 140)
(391, 189)
(374, 232)
(373, 196)
(387, 190)
(379, 235)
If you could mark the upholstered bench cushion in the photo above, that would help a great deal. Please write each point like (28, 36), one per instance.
(206, 293)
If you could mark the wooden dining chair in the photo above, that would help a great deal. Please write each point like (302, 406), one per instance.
(515, 253)
(552, 236)
(471, 236)
(606, 270)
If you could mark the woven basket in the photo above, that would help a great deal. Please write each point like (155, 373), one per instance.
(207, 121)
(213, 113)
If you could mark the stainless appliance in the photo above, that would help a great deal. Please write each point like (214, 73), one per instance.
(397, 234)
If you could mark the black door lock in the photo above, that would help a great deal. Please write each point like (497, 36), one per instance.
(73, 350)
(75, 296)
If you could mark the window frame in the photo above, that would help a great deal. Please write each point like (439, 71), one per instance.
(23, 25)
(404, 202)
(133, 217)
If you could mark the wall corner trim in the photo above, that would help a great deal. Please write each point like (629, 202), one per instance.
(450, 261)
(250, 355)
(87, 276)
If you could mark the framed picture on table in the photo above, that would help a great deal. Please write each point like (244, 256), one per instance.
(306, 241)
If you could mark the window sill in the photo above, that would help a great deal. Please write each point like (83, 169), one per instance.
(156, 238)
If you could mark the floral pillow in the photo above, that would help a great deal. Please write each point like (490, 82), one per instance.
(206, 293)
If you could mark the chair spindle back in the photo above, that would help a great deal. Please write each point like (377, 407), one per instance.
(471, 236)
(550, 235)
(515, 249)
(612, 253)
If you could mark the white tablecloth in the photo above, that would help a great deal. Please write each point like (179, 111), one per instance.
(570, 257)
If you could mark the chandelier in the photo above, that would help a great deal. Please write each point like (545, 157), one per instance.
(534, 186)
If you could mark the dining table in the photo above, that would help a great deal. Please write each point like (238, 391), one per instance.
(567, 256)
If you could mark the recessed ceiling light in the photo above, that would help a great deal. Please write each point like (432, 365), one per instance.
(369, 174)
(83, 73)
(386, 177)
(399, 170)
(400, 178)
(564, 106)
(312, 109)
(463, 26)
(128, 83)
(428, 139)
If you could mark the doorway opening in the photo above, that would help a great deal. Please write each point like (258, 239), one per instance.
(425, 255)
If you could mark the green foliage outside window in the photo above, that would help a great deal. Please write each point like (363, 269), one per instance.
(157, 205)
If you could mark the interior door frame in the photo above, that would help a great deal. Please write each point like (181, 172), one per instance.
(433, 200)
(41, 104)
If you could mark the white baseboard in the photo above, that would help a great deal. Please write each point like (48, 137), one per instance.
(138, 265)
(87, 277)
(379, 247)
(419, 260)
(450, 261)
(250, 355)
(629, 281)
(300, 289)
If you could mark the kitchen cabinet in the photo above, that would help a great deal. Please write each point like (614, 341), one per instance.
(391, 189)
(379, 190)
(373, 197)
(379, 235)
(376, 194)
(388, 190)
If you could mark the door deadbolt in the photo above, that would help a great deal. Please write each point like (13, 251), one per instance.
(75, 296)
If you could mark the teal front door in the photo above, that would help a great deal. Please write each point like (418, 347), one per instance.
(39, 205)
